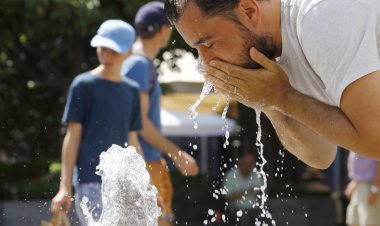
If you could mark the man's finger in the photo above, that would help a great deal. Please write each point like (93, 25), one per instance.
(229, 69)
(215, 72)
(261, 59)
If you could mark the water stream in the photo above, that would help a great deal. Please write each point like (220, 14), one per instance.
(264, 195)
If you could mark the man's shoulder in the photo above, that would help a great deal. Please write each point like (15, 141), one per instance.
(131, 83)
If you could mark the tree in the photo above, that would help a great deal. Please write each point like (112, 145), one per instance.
(43, 45)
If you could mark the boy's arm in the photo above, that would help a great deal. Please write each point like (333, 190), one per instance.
(184, 162)
(134, 141)
(70, 148)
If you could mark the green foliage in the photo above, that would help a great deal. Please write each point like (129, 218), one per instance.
(28, 180)
(43, 45)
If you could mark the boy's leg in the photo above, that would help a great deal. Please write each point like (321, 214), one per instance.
(167, 195)
(161, 179)
(93, 192)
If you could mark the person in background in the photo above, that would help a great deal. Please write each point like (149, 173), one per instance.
(102, 109)
(363, 191)
(242, 185)
(153, 34)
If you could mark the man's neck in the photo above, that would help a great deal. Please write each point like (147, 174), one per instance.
(148, 47)
(271, 16)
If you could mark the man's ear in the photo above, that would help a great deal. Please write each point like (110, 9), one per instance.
(248, 12)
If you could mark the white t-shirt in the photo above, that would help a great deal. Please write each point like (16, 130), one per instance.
(328, 44)
(234, 182)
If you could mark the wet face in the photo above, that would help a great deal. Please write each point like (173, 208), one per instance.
(222, 38)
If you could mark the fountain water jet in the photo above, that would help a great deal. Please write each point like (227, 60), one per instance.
(128, 197)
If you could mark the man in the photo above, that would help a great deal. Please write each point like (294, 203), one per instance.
(153, 31)
(242, 186)
(363, 191)
(311, 66)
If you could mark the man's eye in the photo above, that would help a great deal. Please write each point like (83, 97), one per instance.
(209, 46)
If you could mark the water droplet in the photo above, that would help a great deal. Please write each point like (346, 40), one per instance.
(239, 213)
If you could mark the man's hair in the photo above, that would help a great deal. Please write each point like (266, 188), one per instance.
(150, 18)
(147, 32)
(210, 8)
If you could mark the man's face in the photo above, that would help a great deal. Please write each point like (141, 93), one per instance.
(247, 164)
(221, 38)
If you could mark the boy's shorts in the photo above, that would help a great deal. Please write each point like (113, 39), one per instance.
(359, 212)
(93, 191)
(160, 177)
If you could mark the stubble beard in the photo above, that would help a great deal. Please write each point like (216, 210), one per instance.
(263, 44)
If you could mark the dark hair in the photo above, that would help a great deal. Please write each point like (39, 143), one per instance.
(147, 31)
(210, 8)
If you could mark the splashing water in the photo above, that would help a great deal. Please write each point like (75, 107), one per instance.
(207, 88)
(127, 195)
(225, 125)
(265, 212)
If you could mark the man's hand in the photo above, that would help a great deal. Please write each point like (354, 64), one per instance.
(262, 88)
(185, 163)
(62, 201)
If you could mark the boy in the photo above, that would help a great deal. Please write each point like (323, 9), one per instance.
(102, 109)
(153, 34)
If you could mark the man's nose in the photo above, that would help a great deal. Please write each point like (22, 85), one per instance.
(205, 54)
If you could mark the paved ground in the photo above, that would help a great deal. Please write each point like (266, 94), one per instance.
(293, 212)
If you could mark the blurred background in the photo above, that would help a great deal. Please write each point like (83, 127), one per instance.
(45, 43)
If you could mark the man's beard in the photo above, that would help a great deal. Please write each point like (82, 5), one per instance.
(263, 44)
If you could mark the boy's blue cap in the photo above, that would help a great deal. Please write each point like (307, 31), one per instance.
(152, 14)
(116, 35)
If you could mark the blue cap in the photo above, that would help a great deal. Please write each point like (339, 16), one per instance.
(152, 14)
(116, 35)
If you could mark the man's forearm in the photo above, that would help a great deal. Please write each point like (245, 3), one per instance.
(155, 138)
(308, 146)
(327, 121)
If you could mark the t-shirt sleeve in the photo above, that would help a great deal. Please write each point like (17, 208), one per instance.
(75, 104)
(340, 45)
(229, 182)
(139, 71)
